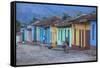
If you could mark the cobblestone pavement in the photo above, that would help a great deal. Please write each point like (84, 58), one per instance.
(31, 54)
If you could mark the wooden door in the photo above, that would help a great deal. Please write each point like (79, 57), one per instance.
(23, 35)
(69, 36)
(80, 38)
(87, 38)
(74, 36)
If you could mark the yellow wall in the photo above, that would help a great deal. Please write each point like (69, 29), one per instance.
(82, 26)
(53, 31)
(79, 27)
(77, 36)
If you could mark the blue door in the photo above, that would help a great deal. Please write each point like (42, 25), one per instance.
(47, 35)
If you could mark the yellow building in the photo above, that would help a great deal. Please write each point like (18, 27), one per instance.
(49, 31)
(53, 30)
(81, 33)
(53, 33)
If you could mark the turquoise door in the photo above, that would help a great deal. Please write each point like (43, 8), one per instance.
(23, 36)
(47, 35)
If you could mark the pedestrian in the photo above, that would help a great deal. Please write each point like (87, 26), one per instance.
(66, 45)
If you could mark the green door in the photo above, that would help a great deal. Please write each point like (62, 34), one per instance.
(23, 36)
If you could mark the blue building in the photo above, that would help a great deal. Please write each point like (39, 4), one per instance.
(32, 32)
(43, 34)
(24, 34)
(47, 35)
(40, 34)
(93, 32)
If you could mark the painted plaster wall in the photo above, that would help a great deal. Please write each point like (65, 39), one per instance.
(29, 36)
(53, 32)
(32, 33)
(24, 34)
(40, 33)
(78, 27)
(47, 35)
(93, 41)
(62, 34)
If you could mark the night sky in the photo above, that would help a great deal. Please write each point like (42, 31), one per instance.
(25, 11)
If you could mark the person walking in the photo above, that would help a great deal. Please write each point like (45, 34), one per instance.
(66, 45)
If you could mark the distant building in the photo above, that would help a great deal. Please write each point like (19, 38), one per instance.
(29, 34)
(23, 34)
(33, 32)
(19, 37)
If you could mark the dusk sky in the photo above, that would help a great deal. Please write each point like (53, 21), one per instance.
(25, 11)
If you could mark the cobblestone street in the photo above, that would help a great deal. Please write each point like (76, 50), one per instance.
(31, 54)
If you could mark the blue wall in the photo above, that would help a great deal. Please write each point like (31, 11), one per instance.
(32, 33)
(47, 34)
(93, 41)
(40, 33)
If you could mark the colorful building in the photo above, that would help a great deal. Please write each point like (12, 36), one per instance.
(53, 36)
(46, 35)
(23, 34)
(93, 29)
(81, 32)
(93, 32)
(32, 32)
(64, 31)
(78, 30)
(40, 32)
(46, 30)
